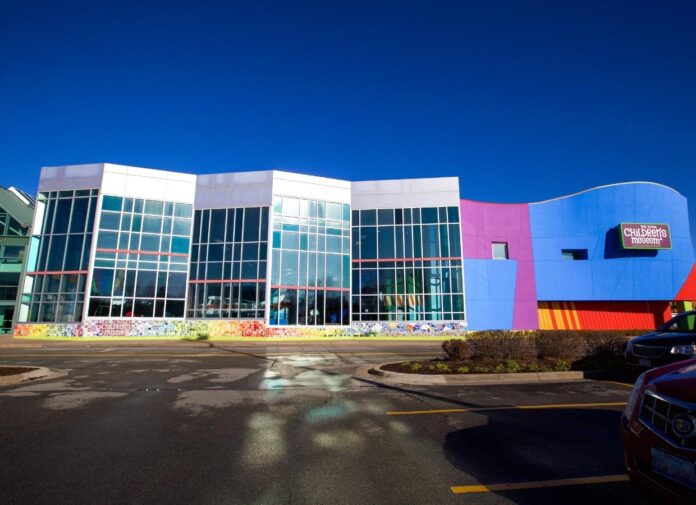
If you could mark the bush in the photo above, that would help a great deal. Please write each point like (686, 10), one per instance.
(503, 345)
(455, 349)
(560, 344)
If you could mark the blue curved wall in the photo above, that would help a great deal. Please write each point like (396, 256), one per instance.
(589, 221)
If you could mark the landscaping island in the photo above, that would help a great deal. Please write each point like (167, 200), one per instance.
(524, 351)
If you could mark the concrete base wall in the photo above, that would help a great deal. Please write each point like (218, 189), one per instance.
(247, 328)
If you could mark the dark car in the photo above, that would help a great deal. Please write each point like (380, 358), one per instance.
(658, 429)
(673, 341)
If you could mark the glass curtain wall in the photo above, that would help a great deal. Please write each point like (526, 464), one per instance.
(310, 278)
(54, 288)
(228, 263)
(407, 265)
(141, 259)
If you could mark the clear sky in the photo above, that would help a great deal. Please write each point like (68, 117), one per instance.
(523, 100)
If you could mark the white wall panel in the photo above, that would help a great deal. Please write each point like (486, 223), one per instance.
(235, 189)
(428, 192)
(311, 187)
(71, 177)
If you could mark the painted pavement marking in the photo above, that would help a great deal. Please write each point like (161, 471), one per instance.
(507, 407)
(512, 486)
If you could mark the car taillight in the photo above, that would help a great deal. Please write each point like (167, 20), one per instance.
(634, 398)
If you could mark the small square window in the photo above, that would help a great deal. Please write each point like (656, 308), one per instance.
(574, 254)
(499, 250)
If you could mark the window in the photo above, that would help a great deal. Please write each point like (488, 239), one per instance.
(499, 250)
(574, 254)
(406, 266)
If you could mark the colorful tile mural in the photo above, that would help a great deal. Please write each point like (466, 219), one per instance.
(218, 328)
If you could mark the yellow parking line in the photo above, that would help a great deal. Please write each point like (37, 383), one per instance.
(508, 407)
(481, 488)
(620, 384)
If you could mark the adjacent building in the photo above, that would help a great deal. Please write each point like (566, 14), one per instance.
(16, 210)
(121, 250)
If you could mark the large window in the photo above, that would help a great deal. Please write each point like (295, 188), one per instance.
(310, 277)
(228, 263)
(54, 289)
(407, 265)
(141, 259)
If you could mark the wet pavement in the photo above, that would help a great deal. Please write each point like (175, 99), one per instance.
(233, 424)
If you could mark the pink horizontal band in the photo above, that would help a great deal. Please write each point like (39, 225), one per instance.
(130, 251)
(219, 281)
(58, 272)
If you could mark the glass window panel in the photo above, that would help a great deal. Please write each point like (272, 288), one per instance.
(146, 284)
(152, 224)
(79, 216)
(289, 268)
(264, 224)
(217, 225)
(119, 282)
(136, 223)
(150, 243)
(428, 215)
(180, 245)
(455, 249)
(334, 211)
(385, 216)
(62, 218)
(251, 224)
(176, 285)
(112, 203)
(250, 251)
(385, 236)
(99, 307)
(154, 207)
(102, 282)
(74, 252)
(181, 227)
(183, 210)
(368, 217)
(453, 214)
(175, 308)
(143, 308)
(55, 257)
(444, 241)
(291, 207)
(215, 252)
(109, 221)
(431, 241)
(214, 271)
(333, 270)
(368, 282)
(368, 243)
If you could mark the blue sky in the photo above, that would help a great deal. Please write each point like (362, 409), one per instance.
(522, 100)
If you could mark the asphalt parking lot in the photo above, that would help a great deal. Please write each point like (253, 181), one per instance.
(297, 424)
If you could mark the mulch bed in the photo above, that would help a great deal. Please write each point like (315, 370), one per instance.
(15, 370)
(443, 367)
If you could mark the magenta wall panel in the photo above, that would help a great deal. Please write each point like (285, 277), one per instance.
(485, 223)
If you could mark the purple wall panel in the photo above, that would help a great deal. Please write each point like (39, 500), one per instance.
(484, 223)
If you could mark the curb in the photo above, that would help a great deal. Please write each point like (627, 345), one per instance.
(39, 373)
(472, 379)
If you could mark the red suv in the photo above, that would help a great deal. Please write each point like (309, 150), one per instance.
(659, 432)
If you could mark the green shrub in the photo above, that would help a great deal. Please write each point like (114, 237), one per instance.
(463, 369)
(560, 344)
(455, 349)
(502, 345)
(416, 366)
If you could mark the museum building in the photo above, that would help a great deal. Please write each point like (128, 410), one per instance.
(118, 250)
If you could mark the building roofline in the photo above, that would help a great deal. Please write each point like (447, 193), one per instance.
(575, 194)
